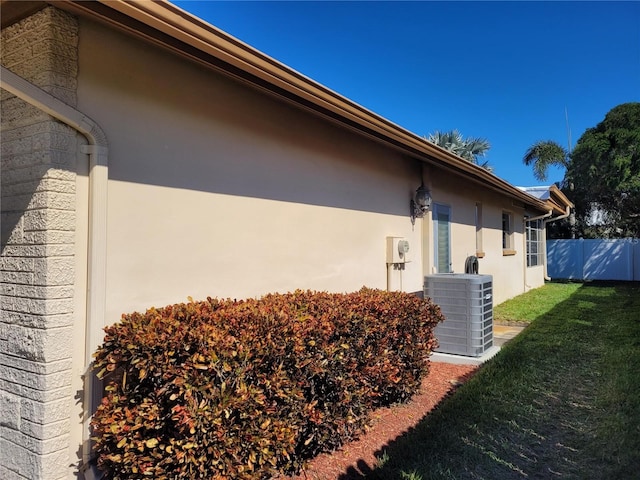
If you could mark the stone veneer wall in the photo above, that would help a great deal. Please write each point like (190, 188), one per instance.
(37, 259)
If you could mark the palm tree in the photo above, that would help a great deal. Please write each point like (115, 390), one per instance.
(470, 148)
(544, 154)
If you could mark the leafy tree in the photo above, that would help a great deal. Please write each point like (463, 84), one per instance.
(604, 171)
(470, 148)
(544, 154)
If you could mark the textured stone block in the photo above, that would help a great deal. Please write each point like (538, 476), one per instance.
(29, 465)
(45, 431)
(17, 278)
(16, 264)
(38, 396)
(49, 237)
(55, 465)
(39, 412)
(55, 79)
(53, 140)
(24, 174)
(28, 186)
(19, 460)
(20, 53)
(61, 250)
(37, 292)
(35, 367)
(10, 408)
(36, 306)
(16, 112)
(7, 474)
(14, 146)
(12, 227)
(39, 321)
(41, 447)
(49, 219)
(52, 381)
(67, 95)
(54, 271)
(14, 206)
(40, 345)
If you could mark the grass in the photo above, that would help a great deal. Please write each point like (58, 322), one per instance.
(527, 307)
(559, 401)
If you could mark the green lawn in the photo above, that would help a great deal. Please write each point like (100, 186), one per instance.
(562, 400)
(529, 306)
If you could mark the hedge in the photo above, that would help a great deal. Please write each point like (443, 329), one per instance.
(247, 389)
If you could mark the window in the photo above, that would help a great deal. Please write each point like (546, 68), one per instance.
(442, 238)
(479, 251)
(535, 246)
(507, 234)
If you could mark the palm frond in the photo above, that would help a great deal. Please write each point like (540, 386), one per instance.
(468, 148)
(543, 154)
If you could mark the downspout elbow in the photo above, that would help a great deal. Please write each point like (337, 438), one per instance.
(540, 217)
(560, 217)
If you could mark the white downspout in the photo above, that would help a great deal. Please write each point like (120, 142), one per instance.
(539, 217)
(563, 216)
(97, 241)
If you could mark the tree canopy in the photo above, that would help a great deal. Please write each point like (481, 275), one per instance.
(604, 171)
(602, 176)
(470, 148)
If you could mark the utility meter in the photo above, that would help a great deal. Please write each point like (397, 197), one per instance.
(403, 248)
(397, 250)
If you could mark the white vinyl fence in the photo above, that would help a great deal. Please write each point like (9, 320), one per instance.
(600, 259)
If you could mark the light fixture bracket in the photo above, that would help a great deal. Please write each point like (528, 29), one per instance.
(420, 203)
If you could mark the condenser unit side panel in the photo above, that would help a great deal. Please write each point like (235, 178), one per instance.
(466, 302)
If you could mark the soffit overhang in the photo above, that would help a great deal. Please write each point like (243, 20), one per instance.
(558, 200)
(169, 27)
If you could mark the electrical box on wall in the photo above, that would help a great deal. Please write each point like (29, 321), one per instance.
(397, 250)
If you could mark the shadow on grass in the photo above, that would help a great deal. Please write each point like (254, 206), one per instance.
(531, 412)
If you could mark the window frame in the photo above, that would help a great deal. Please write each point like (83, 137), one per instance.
(508, 247)
(534, 258)
(446, 210)
(478, 220)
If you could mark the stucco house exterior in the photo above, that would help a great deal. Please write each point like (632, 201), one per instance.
(148, 156)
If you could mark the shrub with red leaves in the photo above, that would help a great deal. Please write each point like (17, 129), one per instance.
(227, 389)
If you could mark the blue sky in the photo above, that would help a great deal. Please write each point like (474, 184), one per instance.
(504, 71)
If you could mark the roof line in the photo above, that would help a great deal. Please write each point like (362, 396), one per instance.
(170, 27)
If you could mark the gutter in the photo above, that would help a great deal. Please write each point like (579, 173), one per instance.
(97, 241)
(171, 28)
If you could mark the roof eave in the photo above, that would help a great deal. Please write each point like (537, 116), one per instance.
(170, 27)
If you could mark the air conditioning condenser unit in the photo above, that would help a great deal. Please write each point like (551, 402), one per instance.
(466, 301)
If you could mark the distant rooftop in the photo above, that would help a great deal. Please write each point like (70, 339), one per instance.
(541, 192)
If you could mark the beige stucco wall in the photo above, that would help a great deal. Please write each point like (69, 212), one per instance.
(215, 189)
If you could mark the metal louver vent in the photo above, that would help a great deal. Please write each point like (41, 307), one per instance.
(467, 304)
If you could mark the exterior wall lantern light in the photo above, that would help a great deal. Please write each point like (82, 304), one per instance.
(420, 203)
